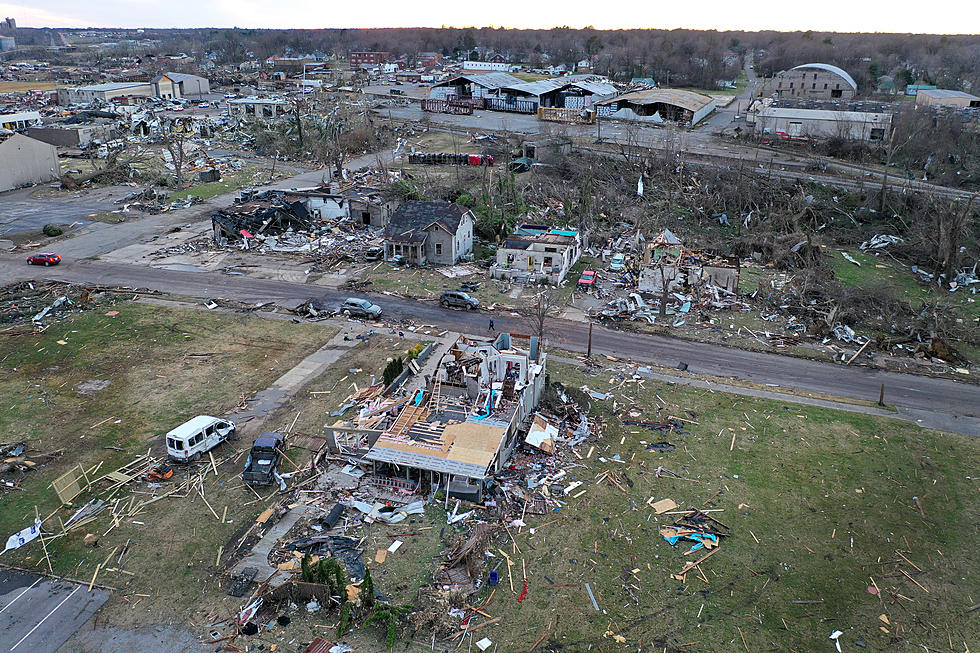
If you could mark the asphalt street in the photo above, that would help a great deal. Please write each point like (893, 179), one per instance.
(38, 614)
(937, 403)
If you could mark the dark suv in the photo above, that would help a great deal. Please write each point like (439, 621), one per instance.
(262, 465)
(459, 300)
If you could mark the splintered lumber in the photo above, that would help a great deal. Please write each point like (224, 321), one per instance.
(476, 627)
(94, 576)
(691, 565)
(914, 580)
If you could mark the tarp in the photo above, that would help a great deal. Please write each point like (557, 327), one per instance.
(21, 538)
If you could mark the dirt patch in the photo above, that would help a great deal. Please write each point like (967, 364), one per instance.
(92, 387)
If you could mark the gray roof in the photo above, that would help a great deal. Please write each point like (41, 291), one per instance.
(830, 69)
(411, 218)
(588, 84)
(823, 114)
(486, 80)
(422, 461)
(183, 77)
(113, 86)
(947, 93)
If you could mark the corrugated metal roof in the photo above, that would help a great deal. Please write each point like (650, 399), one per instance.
(591, 86)
(830, 69)
(824, 114)
(422, 461)
(486, 80)
(946, 93)
(113, 86)
(686, 99)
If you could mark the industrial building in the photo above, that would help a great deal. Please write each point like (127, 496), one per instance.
(66, 135)
(20, 120)
(7, 43)
(946, 98)
(253, 107)
(162, 87)
(658, 105)
(572, 92)
(474, 85)
(358, 59)
(865, 121)
(813, 80)
(188, 85)
(26, 161)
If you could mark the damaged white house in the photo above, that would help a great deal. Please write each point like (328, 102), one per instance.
(537, 253)
(461, 428)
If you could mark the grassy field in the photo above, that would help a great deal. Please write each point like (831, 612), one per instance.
(157, 366)
(821, 506)
(331, 389)
(248, 175)
(21, 87)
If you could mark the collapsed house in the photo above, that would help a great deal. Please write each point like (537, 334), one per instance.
(458, 430)
(299, 219)
(671, 267)
(538, 254)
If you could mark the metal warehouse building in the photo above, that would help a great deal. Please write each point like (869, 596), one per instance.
(26, 162)
(658, 105)
(945, 97)
(819, 81)
(794, 122)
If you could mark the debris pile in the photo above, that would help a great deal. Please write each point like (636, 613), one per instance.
(41, 303)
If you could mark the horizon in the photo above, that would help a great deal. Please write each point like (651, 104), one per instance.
(837, 16)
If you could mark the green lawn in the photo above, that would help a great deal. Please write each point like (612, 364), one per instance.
(158, 366)
(818, 502)
(901, 280)
(248, 175)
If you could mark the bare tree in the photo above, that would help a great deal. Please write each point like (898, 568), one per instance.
(175, 142)
(538, 310)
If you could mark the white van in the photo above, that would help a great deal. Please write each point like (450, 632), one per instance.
(198, 436)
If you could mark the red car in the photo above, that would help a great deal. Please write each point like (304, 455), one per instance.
(45, 258)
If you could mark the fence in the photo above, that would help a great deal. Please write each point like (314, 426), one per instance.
(512, 105)
(458, 107)
(556, 114)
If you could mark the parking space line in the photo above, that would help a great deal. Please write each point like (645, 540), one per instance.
(45, 618)
(26, 590)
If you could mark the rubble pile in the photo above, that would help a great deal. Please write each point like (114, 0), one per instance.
(40, 303)
(318, 221)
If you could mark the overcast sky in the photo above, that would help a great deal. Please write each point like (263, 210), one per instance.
(936, 17)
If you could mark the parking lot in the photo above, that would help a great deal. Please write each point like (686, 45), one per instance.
(38, 614)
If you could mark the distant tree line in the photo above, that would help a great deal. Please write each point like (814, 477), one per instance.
(678, 58)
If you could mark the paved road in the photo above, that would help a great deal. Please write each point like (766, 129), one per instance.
(37, 614)
(725, 116)
(937, 403)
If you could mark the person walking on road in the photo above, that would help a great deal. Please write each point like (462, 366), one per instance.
(491, 325)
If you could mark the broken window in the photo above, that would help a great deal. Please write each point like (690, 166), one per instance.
(877, 133)
(438, 249)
